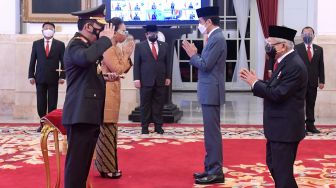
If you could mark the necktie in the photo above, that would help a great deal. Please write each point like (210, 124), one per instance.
(155, 55)
(47, 48)
(309, 53)
(275, 66)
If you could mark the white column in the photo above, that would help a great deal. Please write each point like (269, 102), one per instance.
(10, 14)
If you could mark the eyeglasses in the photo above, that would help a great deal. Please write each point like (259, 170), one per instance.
(275, 43)
(123, 32)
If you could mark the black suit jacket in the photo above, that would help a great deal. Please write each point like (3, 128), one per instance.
(43, 68)
(315, 67)
(284, 98)
(149, 71)
(85, 94)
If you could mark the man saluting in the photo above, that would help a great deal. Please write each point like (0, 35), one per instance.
(84, 100)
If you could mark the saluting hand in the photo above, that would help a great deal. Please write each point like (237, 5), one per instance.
(107, 32)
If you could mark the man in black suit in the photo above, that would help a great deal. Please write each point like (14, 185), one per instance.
(312, 56)
(46, 57)
(284, 98)
(85, 95)
(151, 74)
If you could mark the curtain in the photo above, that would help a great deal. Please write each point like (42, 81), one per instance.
(268, 11)
(242, 8)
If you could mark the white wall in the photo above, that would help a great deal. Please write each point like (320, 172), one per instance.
(326, 24)
(298, 14)
(10, 14)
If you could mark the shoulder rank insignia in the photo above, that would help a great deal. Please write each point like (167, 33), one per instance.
(82, 39)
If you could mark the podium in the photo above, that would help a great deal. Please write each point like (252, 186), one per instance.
(171, 113)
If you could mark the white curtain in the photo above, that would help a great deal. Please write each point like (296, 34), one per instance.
(242, 8)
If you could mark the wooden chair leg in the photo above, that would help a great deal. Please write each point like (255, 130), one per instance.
(58, 159)
(44, 148)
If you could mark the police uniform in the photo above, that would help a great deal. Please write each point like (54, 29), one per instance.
(84, 100)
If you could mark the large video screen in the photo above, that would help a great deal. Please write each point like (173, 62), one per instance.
(159, 12)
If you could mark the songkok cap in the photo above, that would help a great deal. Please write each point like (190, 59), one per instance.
(207, 11)
(281, 32)
(151, 28)
(95, 13)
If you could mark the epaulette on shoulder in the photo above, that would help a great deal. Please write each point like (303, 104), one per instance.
(81, 38)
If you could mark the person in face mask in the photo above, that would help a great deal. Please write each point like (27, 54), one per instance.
(116, 60)
(46, 57)
(312, 55)
(284, 95)
(152, 74)
(210, 90)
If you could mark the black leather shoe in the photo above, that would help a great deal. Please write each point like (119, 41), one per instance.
(39, 129)
(159, 130)
(144, 130)
(210, 179)
(313, 130)
(198, 175)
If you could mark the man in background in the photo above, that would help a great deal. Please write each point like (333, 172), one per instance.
(284, 96)
(210, 91)
(312, 56)
(45, 61)
(151, 74)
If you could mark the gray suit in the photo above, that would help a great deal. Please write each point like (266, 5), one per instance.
(211, 95)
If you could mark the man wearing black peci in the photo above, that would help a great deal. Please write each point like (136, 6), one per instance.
(85, 94)
(284, 96)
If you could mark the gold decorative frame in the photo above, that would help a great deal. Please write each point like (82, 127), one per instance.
(29, 16)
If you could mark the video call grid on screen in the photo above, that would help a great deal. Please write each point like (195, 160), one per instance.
(159, 12)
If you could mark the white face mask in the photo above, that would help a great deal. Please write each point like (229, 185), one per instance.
(202, 28)
(48, 33)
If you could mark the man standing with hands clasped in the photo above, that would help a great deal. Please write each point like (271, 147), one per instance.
(284, 96)
(312, 56)
(84, 101)
(210, 91)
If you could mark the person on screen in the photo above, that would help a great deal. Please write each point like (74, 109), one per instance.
(190, 6)
(118, 7)
(136, 17)
(192, 16)
(137, 7)
(154, 16)
(172, 7)
(153, 6)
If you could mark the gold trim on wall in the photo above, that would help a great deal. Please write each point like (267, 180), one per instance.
(29, 16)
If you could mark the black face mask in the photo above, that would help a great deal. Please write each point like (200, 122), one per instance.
(270, 51)
(153, 37)
(96, 32)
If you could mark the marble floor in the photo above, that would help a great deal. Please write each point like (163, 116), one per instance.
(240, 108)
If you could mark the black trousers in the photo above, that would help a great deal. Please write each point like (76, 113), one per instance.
(82, 139)
(47, 95)
(310, 106)
(280, 157)
(151, 105)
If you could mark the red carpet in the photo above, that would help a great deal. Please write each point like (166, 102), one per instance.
(163, 162)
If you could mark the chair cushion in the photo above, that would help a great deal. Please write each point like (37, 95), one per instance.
(55, 117)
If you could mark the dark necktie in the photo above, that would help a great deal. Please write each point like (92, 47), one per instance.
(309, 53)
(154, 51)
(275, 66)
(47, 48)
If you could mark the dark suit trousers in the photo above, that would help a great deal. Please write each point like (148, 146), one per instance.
(310, 106)
(47, 95)
(280, 157)
(151, 105)
(82, 140)
(212, 139)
